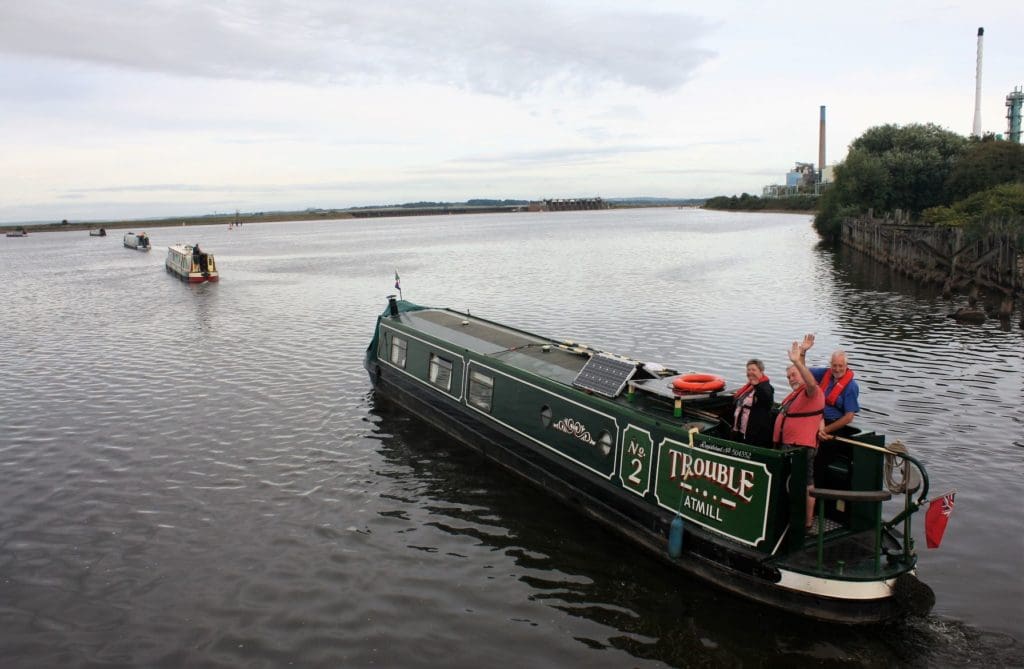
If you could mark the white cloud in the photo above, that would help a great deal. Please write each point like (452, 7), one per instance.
(498, 48)
(114, 108)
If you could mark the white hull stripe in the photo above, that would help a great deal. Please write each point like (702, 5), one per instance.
(830, 587)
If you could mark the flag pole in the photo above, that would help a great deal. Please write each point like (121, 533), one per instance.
(954, 491)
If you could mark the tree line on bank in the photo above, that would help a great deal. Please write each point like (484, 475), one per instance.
(748, 202)
(932, 175)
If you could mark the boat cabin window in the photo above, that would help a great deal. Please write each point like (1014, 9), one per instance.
(398, 350)
(440, 372)
(545, 416)
(481, 388)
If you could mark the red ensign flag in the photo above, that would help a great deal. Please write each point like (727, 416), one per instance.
(936, 518)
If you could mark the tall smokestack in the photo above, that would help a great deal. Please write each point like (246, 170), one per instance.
(821, 146)
(977, 89)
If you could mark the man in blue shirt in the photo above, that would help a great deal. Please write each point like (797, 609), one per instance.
(841, 391)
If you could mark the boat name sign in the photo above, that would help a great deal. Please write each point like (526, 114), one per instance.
(716, 490)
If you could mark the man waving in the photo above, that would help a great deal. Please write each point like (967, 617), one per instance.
(840, 388)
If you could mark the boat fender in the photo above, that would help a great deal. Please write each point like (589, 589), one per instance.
(699, 383)
(675, 537)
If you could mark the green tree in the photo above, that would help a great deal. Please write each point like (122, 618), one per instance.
(918, 159)
(984, 165)
(748, 202)
(996, 211)
(891, 167)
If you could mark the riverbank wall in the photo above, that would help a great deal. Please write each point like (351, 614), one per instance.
(989, 268)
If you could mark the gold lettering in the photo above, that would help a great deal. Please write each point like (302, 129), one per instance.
(736, 480)
(674, 457)
(746, 483)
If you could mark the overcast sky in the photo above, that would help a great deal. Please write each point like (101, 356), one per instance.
(147, 108)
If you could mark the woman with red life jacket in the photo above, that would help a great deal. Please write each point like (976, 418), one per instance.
(752, 413)
(841, 391)
(799, 418)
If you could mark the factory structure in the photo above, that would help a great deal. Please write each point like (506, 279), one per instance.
(805, 178)
(808, 179)
(1013, 101)
(976, 130)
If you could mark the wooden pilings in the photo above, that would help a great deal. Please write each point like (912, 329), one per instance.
(945, 256)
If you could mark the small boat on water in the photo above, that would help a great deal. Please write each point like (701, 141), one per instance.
(18, 232)
(620, 442)
(98, 233)
(190, 263)
(138, 241)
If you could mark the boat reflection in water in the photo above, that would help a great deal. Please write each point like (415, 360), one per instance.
(489, 532)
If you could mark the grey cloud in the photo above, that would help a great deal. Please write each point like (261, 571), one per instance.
(219, 188)
(764, 172)
(563, 154)
(501, 48)
(559, 155)
(186, 188)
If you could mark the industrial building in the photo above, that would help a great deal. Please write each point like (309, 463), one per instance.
(1013, 111)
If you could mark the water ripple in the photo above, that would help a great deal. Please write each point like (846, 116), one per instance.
(198, 475)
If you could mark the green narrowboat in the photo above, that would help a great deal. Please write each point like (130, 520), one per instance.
(617, 440)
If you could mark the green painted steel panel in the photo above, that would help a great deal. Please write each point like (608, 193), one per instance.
(723, 486)
(574, 430)
(637, 462)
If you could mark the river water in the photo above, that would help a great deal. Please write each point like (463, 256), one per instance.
(201, 476)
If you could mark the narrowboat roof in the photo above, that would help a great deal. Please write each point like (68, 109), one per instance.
(185, 249)
(560, 362)
(540, 355)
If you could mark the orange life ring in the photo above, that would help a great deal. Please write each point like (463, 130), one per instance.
(699, 383)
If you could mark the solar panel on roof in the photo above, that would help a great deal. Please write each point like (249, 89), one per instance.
(605, 375)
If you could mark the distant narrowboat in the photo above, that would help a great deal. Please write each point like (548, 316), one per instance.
(139, 241)
(621, 443)
(191, 264)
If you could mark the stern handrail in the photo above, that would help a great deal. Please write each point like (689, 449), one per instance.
(885, 449)
(878, 496)
(910, 506)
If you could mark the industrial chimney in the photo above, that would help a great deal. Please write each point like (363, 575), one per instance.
(821, 146)
(977, 89)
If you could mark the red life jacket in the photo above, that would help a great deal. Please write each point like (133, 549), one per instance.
(738, 398)
(840, 386)
(738, 395)
(802, 416)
